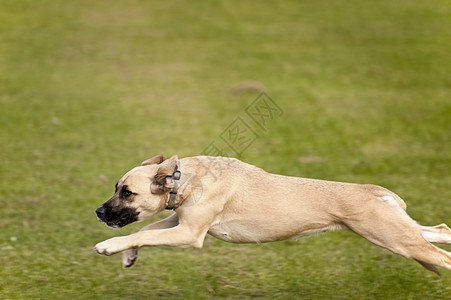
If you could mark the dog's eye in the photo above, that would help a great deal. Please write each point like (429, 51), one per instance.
(125, 193)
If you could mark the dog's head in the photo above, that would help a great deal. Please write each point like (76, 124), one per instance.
(140, 193)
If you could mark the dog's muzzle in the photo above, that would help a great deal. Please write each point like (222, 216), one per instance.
(116, 219)
(100, 212)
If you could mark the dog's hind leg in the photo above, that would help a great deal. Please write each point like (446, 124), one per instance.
(436, 234)
(390, 227)
(130, 256)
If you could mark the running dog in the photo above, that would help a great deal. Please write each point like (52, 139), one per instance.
(240, 203)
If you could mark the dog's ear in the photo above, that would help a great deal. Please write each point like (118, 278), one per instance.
(163, 180)
(156, 160)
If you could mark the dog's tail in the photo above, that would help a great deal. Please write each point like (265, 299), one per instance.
(436, 234)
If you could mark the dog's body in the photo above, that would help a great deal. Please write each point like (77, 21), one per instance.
(240, 203)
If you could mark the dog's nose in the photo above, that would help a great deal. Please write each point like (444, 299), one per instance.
(100, 211)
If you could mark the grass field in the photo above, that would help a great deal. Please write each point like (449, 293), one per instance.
(89, 89)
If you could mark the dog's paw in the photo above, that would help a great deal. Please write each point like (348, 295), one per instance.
(129, 257)
(110, 247)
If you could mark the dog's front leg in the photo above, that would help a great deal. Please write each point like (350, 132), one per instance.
(179, 236)
(130, 256)
(113, 245)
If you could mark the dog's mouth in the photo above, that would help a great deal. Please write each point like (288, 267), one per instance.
(122, 221)
(117, 219)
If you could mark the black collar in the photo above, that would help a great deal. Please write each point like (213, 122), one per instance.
(173, 193)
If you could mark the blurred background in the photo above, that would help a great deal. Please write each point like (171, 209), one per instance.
(89, 89)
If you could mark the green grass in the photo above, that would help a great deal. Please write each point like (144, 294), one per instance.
(88, 89)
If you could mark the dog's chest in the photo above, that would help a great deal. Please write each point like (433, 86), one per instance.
(235, 232)
(220, 233)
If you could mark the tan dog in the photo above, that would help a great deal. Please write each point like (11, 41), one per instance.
(240, 203)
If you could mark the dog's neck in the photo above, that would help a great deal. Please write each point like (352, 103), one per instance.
(173, 194)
